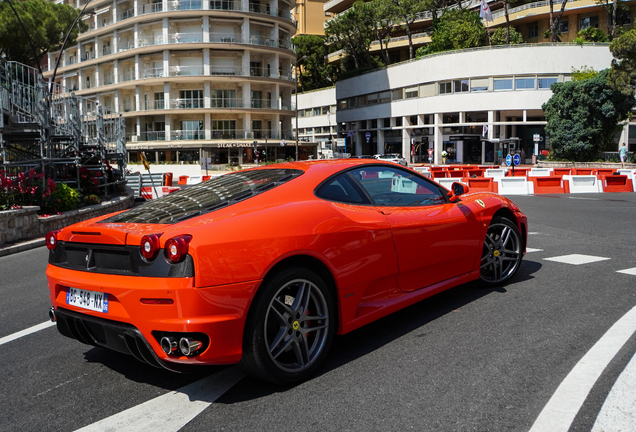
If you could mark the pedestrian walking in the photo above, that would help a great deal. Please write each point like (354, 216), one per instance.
(623, 154)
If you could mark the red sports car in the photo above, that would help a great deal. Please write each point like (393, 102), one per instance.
(264, 266)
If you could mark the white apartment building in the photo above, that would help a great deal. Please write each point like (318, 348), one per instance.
(460, 102)
(193, 79)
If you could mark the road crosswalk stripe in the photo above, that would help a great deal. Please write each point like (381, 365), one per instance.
(576, 259)
(26, 332)
(172, 411)
(630, 271)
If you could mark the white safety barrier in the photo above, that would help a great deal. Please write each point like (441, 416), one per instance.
(448, 182)
(194, 180)
(495, 173)
(540, 172)
(583, 183)
(631, 174)
(515, 186)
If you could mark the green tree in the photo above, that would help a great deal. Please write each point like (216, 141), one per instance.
(582, 117)
(352, 31)
(406, 12)
(553, 31)
(47, 24)
(456, 29)
(315, 71)
(498, 37)
(385, 14)
(590, 34)
(622, 75)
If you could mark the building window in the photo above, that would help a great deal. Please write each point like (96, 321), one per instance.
(221, 99)
(545, 83)
(413, 120)
(384, 97)
(450, 118)
(503, 84)
(588, 22)
(398, 121)
(386, 122)
(223, 129)
(190, 99)
(325, 110)
(398, 94)
(316, 111)
(533, 30)
(411, 93)
(564, 26)
(461, 86)
(445, 88)
(524, 83)
(479, 84)
(372, 99)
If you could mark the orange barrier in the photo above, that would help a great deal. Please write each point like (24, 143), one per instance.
(148, 193)
(604, 171)
(437, 168)
(617, 183)
(485, 167)
(519, 172)
(183, 180)
(481, 184)
(474, 172)
(583, 171)
(561, 171)
(439, 174)
(168, 179)
(205, 177)
(456, 173)
(553, 184)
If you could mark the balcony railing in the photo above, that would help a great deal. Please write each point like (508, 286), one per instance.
(226, 103)
(127, 76)
(129, 13)
(185, 5)
(226, 70)
(261, 103)
(152, 73)
(127, 106)
(178, 38)
(153, 136)
(185, 70)
(88, 56)
(154, 105)
(151, 8)
(227, 5)
(228, 134)
(107, 50)
(181, 135)
(186, 103)
(149, 41)
(108, 79)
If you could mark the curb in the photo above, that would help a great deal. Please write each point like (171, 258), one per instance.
(22, 246)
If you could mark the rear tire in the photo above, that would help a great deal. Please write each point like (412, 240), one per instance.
(502, 252)
(290, 327)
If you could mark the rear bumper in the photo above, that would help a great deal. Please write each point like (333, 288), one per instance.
(132, 327)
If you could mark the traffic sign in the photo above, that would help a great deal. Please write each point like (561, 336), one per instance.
(536, 137)
(509, 160)
(516, 159)
(368, 136)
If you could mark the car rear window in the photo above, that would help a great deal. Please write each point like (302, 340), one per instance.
(214, 194)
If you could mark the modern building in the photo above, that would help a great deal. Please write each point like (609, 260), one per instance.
(194, 79)
(311, 17)
(529, 18)
(462, 102)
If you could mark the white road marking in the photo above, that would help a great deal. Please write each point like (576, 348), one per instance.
(533, 233)
(619, 409)
(533, 250)
(565, 403)
(172, 411)
(26, 332)
(631, 271)
(576, 259)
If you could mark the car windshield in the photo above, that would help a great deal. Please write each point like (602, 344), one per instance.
(205, 197)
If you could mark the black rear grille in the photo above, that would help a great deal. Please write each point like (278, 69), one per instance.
(118, 260)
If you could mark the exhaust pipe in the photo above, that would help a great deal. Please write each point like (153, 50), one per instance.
(168, 345)
(52, 316)
(188, 347)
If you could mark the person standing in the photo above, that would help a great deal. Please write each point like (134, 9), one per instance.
(623, 154)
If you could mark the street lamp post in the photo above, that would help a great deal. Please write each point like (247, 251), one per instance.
(296, 71)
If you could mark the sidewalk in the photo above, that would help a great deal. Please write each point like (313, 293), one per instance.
(11, 248)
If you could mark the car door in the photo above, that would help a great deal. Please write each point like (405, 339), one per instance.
(434, 239)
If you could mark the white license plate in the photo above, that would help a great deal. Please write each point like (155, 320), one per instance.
(92, 300)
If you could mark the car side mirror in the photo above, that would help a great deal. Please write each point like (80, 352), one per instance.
(457, 189)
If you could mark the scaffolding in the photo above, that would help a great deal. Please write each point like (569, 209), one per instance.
(58, 134)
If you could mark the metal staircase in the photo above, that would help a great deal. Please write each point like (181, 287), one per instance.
(58, 133)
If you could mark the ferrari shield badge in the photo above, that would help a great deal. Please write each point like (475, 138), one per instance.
(481, 203)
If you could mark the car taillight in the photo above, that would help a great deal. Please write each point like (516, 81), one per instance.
(51, 239)
(176, 248)
(149, 246)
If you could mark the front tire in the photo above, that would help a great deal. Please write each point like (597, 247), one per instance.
(290, 327)
(502, 252)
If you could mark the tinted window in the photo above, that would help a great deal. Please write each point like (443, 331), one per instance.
(205, 197)
(394, 187)
(342, 189)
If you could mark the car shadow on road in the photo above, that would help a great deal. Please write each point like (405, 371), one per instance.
(361, 342)
(345, 349)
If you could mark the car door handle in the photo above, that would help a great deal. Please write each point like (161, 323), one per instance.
(386, 212)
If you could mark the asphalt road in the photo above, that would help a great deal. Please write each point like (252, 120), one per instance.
(469, 359)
